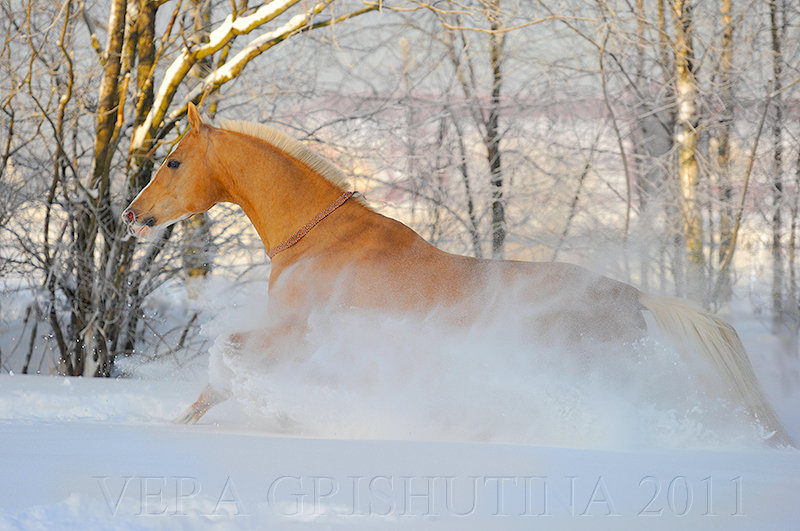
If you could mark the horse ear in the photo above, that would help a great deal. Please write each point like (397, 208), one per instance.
(194, 117)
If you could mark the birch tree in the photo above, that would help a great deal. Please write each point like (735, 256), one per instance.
(686, 139)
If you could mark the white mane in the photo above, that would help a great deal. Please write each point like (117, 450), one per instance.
(288, 145)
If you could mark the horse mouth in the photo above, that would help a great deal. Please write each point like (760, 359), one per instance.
(139, 228)
(140, 231)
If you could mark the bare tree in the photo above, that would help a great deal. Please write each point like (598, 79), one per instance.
(95, 278)
(777, 25)
(723, 147)
(537, 130)
(473, 36)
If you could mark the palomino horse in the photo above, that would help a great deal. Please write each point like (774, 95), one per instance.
(329, 250)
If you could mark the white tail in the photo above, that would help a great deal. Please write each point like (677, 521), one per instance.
(703, 333)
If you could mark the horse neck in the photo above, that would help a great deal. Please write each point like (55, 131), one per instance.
(277, 192)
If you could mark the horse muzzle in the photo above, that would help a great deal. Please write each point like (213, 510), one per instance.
(136, 226)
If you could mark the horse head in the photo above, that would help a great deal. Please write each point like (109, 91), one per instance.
(184, 185)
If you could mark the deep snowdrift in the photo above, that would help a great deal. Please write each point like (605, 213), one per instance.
(89, 454)
(480, 432)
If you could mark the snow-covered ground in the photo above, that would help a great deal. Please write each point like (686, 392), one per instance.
(480, 432)
(89, 454)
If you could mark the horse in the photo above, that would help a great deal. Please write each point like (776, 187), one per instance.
(329, 249)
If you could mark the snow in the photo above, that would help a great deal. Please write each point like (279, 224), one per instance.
(101, 454)
(361, 431)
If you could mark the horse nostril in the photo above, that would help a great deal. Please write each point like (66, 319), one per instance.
(149, 221)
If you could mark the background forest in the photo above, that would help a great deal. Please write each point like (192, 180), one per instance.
(655, 141)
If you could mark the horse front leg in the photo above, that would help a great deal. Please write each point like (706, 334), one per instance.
(243, 343)
(211, 395)
(207, 399)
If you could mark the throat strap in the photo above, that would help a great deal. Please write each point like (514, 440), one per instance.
(297, 236)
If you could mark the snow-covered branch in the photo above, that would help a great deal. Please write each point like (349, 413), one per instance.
(233, 67)
(189, 56)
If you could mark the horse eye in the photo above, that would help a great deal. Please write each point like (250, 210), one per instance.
(173, 164)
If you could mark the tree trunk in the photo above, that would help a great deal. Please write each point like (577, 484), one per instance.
(196, 258)
(686, 137)
(643, 185)
(84, 314)
(776, 32)
(473, 227)
(673, 223)
(791, 251)
(493, 134)
(723, 154)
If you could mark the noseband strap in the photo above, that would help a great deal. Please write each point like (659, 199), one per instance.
(297, 236)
